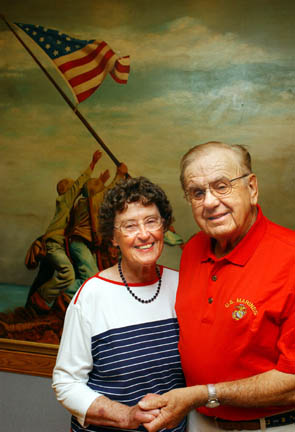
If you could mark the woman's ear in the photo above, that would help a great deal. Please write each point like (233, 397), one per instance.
(114, 242)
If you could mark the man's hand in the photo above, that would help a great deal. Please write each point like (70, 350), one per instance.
(95, 158)
(104, 176)
(122, 168)
(174, 406)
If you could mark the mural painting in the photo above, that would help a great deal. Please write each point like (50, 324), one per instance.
(192, 72)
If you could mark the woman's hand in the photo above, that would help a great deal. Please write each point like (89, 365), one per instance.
(105, 412)
(138, 416)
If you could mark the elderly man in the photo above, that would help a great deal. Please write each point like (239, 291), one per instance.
(235, 304)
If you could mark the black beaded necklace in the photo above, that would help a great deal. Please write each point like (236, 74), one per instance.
(132, 293)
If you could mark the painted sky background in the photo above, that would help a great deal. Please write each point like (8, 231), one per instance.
(200, 70)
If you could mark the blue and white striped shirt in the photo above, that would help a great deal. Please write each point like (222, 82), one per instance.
(132, 346)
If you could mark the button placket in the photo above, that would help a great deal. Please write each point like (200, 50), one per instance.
(213, 279)
(212, 290)
(212, 294)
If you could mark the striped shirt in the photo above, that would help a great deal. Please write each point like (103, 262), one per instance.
(133, 347)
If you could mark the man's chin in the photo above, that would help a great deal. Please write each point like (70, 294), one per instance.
(219, 233)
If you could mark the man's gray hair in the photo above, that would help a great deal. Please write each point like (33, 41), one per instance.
(240, 150)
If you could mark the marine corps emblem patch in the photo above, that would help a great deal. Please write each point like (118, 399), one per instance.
(239, 312)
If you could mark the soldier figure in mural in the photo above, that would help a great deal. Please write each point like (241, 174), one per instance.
(56, 272)
(88, 252)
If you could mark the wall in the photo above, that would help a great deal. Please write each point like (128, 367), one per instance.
(200, 71)
(28, 404)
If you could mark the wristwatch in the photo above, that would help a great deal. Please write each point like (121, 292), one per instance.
(213, 401)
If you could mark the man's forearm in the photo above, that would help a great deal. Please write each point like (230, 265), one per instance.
(266, 389)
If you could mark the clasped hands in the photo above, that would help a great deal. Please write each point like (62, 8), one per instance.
(167, 410)
(153, 411)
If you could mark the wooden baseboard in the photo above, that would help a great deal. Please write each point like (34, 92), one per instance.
(27, 357)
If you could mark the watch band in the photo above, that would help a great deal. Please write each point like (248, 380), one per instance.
(213, 401)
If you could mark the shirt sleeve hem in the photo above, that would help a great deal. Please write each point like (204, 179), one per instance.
(286, 366)
(87, 399)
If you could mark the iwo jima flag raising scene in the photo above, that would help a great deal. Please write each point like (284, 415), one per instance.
(71, 250)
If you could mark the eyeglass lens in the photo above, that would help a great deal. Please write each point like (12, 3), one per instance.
(133, 227)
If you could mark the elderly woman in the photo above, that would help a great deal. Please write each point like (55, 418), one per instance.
(120, 335)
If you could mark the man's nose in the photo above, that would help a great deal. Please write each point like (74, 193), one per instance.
(210, 200)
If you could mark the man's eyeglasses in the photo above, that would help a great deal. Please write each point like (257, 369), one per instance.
(219, 189)
(132, 228)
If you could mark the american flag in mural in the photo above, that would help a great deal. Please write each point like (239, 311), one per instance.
(83, 63)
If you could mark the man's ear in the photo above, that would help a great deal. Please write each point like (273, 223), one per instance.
(253, 186)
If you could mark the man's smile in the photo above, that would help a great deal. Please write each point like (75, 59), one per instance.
(217, 216)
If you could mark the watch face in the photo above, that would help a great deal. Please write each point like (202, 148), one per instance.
(212, 404)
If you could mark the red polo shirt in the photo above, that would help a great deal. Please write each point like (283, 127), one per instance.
(237, 313)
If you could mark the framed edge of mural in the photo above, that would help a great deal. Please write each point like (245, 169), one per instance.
(30, 358)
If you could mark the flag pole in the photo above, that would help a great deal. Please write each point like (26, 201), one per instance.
(68, 101)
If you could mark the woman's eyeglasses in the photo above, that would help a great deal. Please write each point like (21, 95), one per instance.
(131, 228)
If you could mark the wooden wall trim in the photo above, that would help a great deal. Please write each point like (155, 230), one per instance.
(29, 358)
